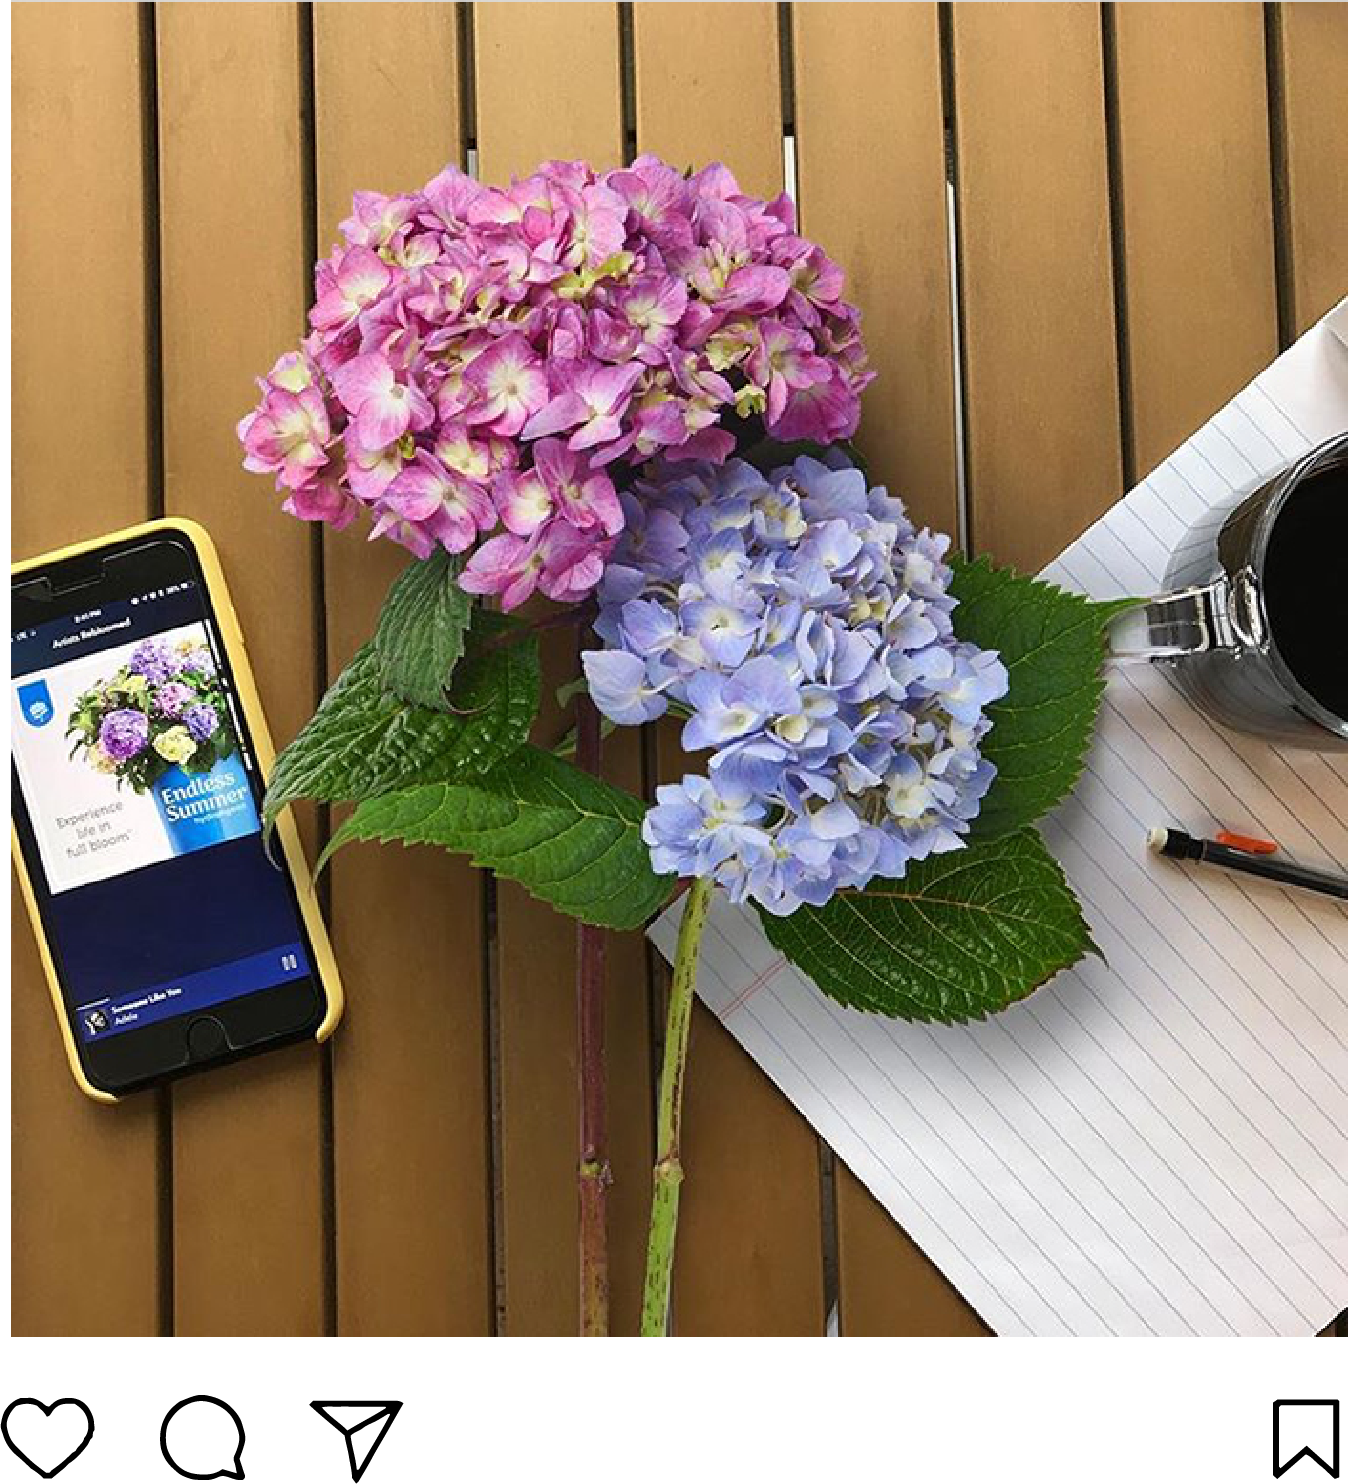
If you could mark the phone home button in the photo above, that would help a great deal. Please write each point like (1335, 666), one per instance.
(205, 1037)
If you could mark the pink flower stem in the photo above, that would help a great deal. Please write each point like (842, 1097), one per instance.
(593, 1173)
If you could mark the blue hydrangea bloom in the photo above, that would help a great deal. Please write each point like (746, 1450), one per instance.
(803, 628)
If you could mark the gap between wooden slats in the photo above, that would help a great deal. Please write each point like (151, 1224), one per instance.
(1309, 77)
(318, 604)
(154, 444)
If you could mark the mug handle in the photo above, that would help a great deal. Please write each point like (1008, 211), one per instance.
(1194, 620)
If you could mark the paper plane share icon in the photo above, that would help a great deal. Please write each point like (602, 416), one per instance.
(364, 1425)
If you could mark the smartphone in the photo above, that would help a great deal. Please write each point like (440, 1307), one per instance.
(173, 936)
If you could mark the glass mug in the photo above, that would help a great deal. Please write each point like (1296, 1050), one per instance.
(1254, 625)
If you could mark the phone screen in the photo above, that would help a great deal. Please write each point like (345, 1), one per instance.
(177, 938)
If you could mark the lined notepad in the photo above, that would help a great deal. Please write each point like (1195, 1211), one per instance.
(1157, 1143)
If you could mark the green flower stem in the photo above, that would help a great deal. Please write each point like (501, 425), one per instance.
(668, 1170)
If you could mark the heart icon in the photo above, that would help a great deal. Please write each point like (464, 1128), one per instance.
(47, 1437)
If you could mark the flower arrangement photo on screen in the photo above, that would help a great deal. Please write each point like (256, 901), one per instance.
(163, 709)
(634, 393)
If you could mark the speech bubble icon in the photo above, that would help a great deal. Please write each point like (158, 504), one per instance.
(202, 1438)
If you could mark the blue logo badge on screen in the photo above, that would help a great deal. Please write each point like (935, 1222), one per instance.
(35, 703)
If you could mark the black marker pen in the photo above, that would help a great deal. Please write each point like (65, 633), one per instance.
(1180, 846)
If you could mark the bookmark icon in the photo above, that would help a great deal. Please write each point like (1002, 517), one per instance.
(363, 1425)
(1305, 1430)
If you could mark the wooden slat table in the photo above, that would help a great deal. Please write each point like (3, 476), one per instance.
(1074, 230)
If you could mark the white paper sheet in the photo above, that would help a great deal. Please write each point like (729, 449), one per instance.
(1157, 1143)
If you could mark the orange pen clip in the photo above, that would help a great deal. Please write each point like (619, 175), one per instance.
(1247, 843)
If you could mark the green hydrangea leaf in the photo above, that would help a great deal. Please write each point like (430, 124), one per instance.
(961, 936)
(568, 838)
(495, 691)
(1053, 646)
(421, 630)
(364, 741)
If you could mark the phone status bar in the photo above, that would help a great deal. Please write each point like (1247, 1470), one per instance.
(104, 625)
(92, 615)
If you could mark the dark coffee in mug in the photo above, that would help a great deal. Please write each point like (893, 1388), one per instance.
(1253, 623)
(1306, 586)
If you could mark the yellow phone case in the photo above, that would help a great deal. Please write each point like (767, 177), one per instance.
(246, 689)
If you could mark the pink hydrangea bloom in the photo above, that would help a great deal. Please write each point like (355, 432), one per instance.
(487, 357)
